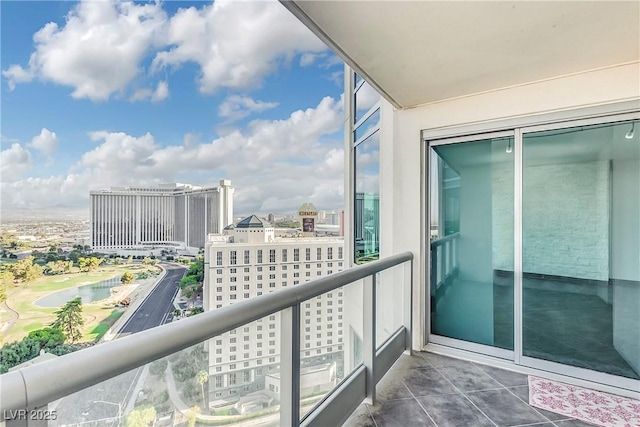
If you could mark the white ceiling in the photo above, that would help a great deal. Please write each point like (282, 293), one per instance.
(416, 52)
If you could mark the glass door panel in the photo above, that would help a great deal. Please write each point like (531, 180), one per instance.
(471, 241)
(580, 247)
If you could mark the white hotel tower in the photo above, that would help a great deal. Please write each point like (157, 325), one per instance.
(170, 216)
(249, 261)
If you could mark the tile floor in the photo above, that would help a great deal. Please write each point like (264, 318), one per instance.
(427, 389)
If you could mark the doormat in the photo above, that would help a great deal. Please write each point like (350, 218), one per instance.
(591, 406)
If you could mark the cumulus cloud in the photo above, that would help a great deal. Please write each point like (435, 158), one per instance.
(46, 142)
(235, 43)
(14, 161)
(102, 46)
(274, 165)
(97, 51)
(236, 107)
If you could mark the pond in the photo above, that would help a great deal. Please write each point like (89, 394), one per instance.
(89, 293)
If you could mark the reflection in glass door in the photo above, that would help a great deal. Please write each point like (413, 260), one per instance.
(580, 247)
(471, 241)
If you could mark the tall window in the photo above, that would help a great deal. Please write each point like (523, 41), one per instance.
(365, 140)
(259, 257)
(232, 259)
(284, 255)
(296, 254)
(319, 254)
(272, 255)
(308, 254)
(218, 258)
(246, 257)
(329, 253)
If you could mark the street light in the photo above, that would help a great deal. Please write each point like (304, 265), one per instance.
(119, 405)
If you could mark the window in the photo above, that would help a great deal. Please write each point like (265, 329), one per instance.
(219, 280)
(340, 253)
(246, 295)
(218, 258)
(272, 268)
(259, 276)
(246, 287)
(246, 269)
(319, 254)
(232, 378)
(284, 255)
(232, 270)
(233, 259)
(246, 257)
(272, 276)
(329, 253)
(219, 298)
(219, 271)
(246, 278)
(296, 267)
(296, 254)
(308, 254)
(218, 381)
(259, 268)
(259, 259)
(272, 255)
(232, 288)
(319, 265)
(232, 279)
(246, 376)
(296, 274)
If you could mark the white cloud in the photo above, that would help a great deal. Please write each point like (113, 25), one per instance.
(236, 107)
(14, 161)
(46, 142)
(235, 43)
(274, 165)
(97, 51)
(159, 94)
(307, 59)
(17, 74)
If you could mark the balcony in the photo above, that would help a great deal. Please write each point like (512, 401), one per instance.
(145, 376)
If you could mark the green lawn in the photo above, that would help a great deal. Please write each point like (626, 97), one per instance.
(98, 318)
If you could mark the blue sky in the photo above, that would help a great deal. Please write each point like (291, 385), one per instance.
(99, 94)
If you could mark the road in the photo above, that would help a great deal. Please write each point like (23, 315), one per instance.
(157, 305)
(101, 401)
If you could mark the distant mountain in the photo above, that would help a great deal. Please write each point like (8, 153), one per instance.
(62, 212)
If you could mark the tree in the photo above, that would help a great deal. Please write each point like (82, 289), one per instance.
(146, 261)
(158, 367)
(69, 319)
(192, 416)
(89, 263)
(130, 260)
(126, 278)
(141, 417)
(201, 378)
(48, 337)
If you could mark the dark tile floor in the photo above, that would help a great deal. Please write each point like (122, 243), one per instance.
(428, 389)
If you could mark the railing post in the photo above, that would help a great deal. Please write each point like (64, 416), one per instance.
(369, 338)
(290, 366)
(408, 306)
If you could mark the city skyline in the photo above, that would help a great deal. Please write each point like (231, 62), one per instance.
(169, 108)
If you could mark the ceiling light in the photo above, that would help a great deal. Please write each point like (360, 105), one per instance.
(629, 134)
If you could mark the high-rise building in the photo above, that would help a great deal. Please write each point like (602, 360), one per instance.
(248, 261)
(170, 216)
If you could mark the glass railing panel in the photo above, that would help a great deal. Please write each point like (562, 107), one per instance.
(390, 286)
(231, 379)
(330, 327)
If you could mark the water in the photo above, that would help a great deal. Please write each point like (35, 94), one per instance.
(88, 293)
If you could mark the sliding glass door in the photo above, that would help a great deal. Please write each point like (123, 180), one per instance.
(534, 246)
(471, 240)
(580, 247)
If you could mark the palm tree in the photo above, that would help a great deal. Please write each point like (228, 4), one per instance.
(201, 378)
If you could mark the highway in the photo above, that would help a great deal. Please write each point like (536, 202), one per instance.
(100, 404)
